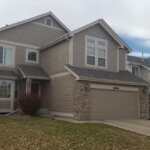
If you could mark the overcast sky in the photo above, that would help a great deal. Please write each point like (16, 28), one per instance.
(129, 18)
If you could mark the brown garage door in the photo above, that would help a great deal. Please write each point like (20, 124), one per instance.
(110, 104)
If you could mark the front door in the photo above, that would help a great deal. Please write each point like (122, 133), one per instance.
(35, 88)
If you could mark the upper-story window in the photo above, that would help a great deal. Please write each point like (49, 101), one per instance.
(96, 52)
(136, 70)
(48, 21)
(7, 55)
(32, 56)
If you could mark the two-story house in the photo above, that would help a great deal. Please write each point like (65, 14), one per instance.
(139, 66)
(80, 74)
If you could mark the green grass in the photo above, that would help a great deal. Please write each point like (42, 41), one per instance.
(27, 133)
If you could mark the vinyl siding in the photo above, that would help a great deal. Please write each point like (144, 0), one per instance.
(5, 104)
(31, 34)
(59, 94)
(54, 58)
(54, 23)
(79, 47)
(122, 60)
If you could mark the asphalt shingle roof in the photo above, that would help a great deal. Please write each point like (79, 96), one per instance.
(33, 71)
(145, 61)
(124, 76)
(10, 73)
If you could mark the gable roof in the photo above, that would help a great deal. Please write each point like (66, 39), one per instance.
(121, 77)
(33, 72)
(110, 31)
(32, 19)
(145, 62)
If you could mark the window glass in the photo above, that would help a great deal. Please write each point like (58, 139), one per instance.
(48, 21)
(135, 70)
(6, 55)
(90, 40)
(96, 51)
(101, 62)
(90, 51)
(101, 53)
(102, 43)
(32, 56)
(5, 89)
(1, 55)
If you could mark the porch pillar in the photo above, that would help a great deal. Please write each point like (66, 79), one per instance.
(28, 86)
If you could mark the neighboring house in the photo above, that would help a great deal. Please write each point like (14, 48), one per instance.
(139, 66)
(80, 74)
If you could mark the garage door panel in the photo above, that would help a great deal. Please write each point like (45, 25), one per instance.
(110, 104)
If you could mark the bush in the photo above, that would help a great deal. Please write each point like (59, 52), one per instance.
(30, 104)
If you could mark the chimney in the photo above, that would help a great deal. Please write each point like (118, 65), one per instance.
(142, 55)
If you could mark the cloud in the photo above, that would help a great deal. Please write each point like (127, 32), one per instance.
(129, 17)
(139, 54)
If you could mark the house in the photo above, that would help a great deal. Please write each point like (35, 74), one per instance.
(80, 74)
(139, 66)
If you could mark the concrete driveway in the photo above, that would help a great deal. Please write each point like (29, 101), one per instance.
(138, 126)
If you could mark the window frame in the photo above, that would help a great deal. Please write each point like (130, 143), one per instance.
(137, 68)
(32, 61)
(96, 46)
(11, 92)
(46, 21)
(13, 55)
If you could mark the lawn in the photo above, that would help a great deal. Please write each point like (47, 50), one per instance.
(27, 133)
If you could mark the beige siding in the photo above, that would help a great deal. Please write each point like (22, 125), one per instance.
(5, 105)
(122, 60)
(110, 104)
(54, 58)
(79, 47)
(59, 94)
(31, 34)
(54, 23)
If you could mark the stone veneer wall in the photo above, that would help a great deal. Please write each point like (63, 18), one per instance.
(144, 103)
(81, 102)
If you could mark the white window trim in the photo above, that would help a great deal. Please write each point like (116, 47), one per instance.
(30, 61)
(12, 92)
(13, 55)
(46, 21)
(96, 56)
(139, 72)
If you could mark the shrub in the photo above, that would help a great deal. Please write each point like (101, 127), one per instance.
(30, 104)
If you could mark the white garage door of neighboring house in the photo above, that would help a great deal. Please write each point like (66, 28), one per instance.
(107, 104)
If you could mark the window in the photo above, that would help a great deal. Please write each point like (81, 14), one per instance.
(96, 52)
(135, 70)
(32, 56)
(6, 89)
(6, 55)
(48, 21)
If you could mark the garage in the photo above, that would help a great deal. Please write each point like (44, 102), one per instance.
(109, 102)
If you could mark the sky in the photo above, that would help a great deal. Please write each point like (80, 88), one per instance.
(129, 18)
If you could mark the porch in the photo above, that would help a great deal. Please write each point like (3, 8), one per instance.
(33, 81)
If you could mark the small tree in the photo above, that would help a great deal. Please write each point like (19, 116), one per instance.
(30, 104)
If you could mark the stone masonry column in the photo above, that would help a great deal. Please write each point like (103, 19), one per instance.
(81, 102)
(144, 103)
